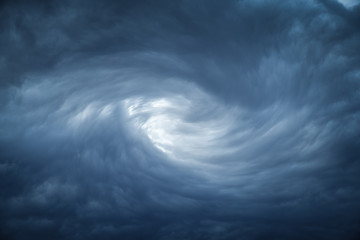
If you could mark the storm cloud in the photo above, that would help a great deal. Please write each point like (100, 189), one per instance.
(180, 119)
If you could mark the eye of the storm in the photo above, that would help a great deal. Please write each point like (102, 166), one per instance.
(171, 127)
(161, 124)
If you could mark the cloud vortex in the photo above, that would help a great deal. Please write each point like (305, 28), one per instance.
(180, 120)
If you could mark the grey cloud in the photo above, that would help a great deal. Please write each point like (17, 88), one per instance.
(179, 120)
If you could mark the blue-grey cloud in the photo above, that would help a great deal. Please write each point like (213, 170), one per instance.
(179, 120)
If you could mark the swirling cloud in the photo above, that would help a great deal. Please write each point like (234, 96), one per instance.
(179, 120)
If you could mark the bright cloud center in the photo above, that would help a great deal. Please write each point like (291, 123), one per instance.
(174, 126)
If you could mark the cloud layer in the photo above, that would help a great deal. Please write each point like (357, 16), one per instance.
(180, 120)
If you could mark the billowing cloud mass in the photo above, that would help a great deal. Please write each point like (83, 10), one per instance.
(180, 120)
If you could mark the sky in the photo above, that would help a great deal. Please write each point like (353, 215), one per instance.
(184, 119)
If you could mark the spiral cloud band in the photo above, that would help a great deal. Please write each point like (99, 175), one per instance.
(180, 119)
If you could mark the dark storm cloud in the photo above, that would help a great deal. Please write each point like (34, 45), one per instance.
(179, 120)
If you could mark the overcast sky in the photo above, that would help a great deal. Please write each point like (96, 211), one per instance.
(184, 119)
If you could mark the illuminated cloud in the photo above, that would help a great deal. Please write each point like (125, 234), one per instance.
(179, 120)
